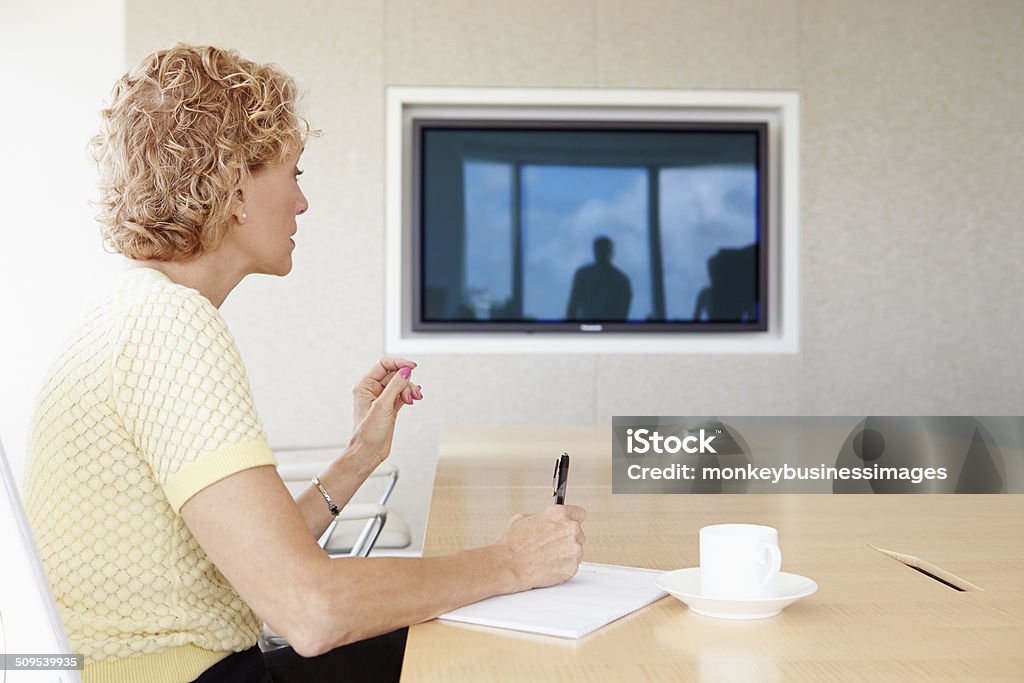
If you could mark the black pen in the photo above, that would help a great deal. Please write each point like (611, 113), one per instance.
(560, 478)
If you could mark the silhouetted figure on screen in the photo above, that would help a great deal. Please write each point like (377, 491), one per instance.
(732, 296)
(600, 291)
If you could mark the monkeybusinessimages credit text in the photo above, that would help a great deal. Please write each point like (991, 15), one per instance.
(644, 441)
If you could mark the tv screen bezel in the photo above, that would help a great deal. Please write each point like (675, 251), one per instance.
(419, 125)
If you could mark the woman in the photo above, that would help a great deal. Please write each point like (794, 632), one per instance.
(167, 534)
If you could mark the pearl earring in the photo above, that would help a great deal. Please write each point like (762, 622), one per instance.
(244, 216)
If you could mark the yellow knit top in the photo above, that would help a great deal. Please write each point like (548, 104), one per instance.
(147, 404)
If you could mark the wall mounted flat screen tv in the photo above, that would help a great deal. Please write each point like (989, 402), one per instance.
(593, 226)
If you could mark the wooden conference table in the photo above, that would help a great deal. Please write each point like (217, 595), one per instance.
(873, 618)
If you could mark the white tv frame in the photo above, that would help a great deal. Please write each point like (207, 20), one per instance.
(780, 109)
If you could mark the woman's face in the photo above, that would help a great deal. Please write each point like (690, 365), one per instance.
(273, 202)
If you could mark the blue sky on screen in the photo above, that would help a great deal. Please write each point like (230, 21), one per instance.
(488, 259)
(566, 207)
(703, 209)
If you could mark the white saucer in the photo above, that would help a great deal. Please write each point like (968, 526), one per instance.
(685, 585)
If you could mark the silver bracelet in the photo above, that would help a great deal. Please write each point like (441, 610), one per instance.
(323, 492)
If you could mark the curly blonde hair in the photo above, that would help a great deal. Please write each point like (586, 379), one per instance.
(183, 128)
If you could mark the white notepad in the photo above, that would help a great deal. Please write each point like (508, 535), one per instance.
(598, 595)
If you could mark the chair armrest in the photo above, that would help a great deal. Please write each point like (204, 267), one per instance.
(386, 469)
(298, 471)
(305, 471)
(375, 516)
(361, 511)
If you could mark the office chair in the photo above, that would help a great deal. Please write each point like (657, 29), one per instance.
(348, 535)
(353, 533)
(362, 522)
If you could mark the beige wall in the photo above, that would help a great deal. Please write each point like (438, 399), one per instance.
(913, 142)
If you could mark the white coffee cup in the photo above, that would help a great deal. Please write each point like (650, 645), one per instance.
(739, 561)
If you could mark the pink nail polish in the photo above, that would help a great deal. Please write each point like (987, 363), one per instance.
(419, 395)
(405, 372)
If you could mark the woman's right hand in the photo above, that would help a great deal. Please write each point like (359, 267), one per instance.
(545, 548)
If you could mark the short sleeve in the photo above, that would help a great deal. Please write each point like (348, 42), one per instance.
(181, 389)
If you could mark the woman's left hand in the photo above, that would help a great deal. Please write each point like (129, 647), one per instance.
(372, 437)
(371, 386)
